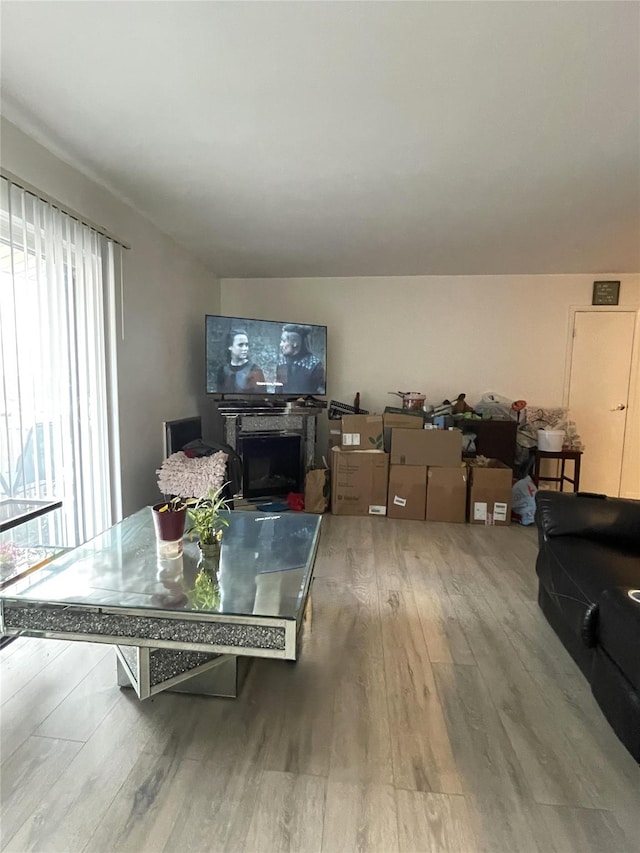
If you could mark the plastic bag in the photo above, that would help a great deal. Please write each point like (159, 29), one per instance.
(523, 501)
(498, 399)
(495, 407)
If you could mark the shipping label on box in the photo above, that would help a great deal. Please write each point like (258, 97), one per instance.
(479, 511)
(362, 432)
(407, 492)
(359, 482)
(429, 447)
(377, 509)
(486, 513)
(447, 494)
(499, 511)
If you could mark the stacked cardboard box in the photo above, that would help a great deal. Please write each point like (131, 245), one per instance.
(399, 419)
(422, 476)
(447, 494)
(361, 432)
(414, 491)
(442, 448)
(394, 419)
(359, 468)
(407, 491)
(490, 493)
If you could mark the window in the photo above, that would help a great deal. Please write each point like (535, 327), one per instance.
(58, 396)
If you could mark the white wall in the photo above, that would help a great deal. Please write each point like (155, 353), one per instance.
(166, 295)
(438, 335)
(442, 336)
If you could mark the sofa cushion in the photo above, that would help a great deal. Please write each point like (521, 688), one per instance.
(619, 631)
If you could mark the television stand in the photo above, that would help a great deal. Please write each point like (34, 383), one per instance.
(269, 407)
(251, 406)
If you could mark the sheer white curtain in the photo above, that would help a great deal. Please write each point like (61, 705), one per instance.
(58, 394)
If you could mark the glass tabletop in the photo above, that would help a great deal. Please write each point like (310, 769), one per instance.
(15, 511)
(265, 566)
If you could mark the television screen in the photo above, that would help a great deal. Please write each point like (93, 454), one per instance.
(265, 357)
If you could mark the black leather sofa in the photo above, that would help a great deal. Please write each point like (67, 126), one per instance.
(587, 566)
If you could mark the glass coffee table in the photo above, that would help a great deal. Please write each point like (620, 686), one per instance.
(170, 632)
(29, 533)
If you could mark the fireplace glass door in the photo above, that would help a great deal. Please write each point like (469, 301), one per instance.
(272, 465)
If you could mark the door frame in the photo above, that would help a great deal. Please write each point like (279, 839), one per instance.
(633, 390)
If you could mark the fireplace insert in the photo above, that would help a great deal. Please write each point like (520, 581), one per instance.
(271, 465)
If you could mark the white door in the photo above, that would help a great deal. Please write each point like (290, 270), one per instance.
(598, 394)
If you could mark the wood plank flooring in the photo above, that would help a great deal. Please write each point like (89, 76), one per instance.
(433, 709)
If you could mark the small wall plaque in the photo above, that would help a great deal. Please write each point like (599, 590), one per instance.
(606, 293)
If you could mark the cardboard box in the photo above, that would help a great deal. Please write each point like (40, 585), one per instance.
(401, 420)
(442, 448)
(335, 436)
(361, 432)
(447, 494)
(359, 482)
(400, 410)
(490, 493)
(407, 492)
(397, 421)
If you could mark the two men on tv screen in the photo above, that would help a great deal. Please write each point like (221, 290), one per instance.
(298, 371)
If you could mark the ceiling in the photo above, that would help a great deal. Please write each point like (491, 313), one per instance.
(278, 139)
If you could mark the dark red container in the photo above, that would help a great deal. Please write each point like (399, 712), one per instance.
(169, 524)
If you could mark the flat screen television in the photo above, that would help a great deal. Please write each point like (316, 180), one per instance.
(260, 357)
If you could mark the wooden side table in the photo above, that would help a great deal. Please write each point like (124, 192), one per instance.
(563, 456)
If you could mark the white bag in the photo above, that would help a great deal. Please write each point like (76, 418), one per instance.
(496, 407)
(523, 501)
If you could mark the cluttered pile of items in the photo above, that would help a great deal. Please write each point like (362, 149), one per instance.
(445, 462)
(389, 465)
(494, 426)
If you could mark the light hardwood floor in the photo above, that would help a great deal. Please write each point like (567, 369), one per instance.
(433, 709)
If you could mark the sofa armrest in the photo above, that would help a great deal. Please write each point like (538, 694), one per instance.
(613, 521)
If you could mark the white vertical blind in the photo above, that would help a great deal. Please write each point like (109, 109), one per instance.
(58, 394)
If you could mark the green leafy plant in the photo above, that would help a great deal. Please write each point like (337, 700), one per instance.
(205, 594)
(207, 516)
(175, 504)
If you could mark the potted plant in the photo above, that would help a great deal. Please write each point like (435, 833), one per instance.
(169, 518)
(207, 517)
